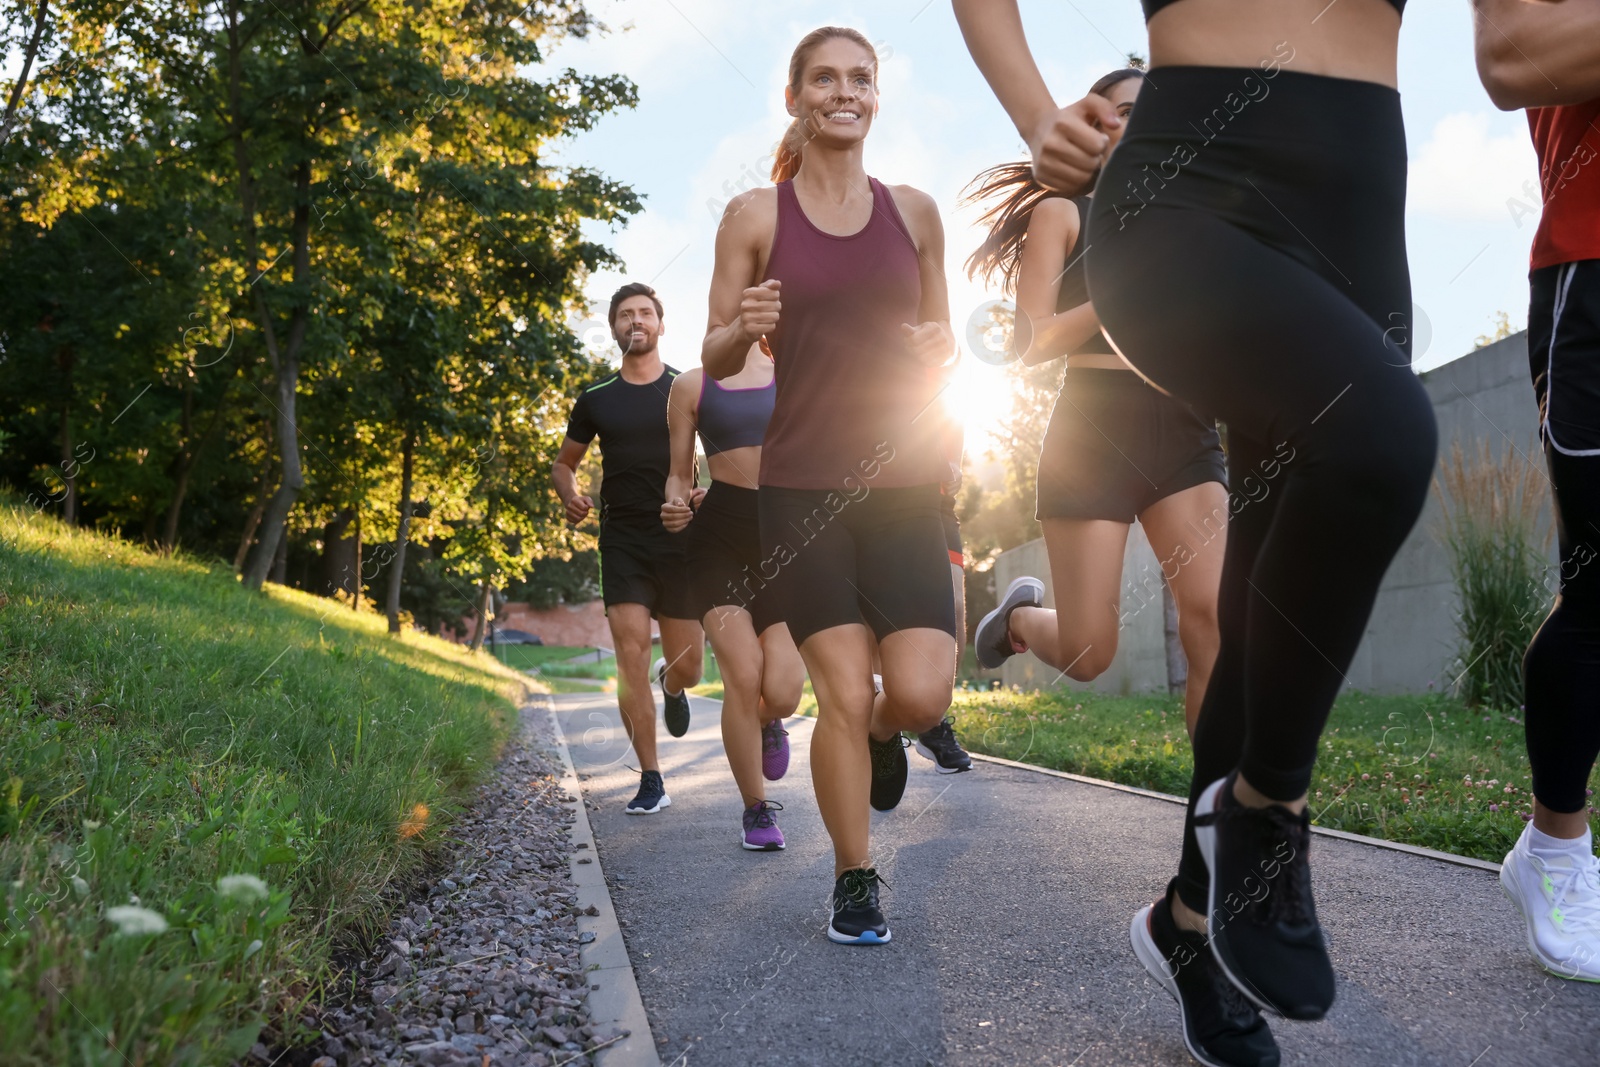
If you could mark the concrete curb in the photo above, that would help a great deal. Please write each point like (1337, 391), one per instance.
(1376, 842)
(616, 1001)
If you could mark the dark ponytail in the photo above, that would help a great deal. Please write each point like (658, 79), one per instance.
(1013, 194)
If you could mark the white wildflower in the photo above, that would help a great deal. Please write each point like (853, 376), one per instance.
(132, 920)
(246, 888)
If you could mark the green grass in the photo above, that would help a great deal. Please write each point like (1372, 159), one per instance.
(527, 657)
(162, 729)
(1424, 770)
(711, 686)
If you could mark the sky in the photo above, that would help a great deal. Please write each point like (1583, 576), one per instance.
(710, 75)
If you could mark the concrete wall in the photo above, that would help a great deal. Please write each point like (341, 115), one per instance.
(1410, 642)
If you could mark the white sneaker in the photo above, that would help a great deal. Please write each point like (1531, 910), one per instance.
(1560, 900)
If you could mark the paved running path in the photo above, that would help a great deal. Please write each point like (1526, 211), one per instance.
(1010, 898)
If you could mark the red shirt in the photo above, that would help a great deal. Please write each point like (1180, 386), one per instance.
(1567, 140)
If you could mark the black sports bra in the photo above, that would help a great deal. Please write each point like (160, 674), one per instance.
(1073, 289)
(1152, 6)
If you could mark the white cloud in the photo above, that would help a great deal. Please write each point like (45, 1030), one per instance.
(1464, 172)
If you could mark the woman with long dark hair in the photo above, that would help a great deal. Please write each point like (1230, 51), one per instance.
(761, 671)
(1249, 258)
(843, 275)
(1116, 448)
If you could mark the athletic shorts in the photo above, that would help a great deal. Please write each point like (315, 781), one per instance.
(1564, 354)
(1116, 444)
(724, 556)
(877, 558)
(952, 529)
(644, 565)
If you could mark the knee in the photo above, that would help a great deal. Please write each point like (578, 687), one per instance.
(741, 673)
(922, 704)
(781, 692)
(1088, 652)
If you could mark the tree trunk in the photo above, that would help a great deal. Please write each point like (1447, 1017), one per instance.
(478, 631)
(69, 468)
(1177, 662)
(254, 519)
(280, 562)
(397, 565)
(336, 555)
(357, 579)
(285, 362)
(27, 67)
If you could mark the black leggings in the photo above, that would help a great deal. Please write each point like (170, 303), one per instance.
(1250, 259)
(1561, 672)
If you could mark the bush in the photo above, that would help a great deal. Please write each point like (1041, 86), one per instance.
(1498, 559)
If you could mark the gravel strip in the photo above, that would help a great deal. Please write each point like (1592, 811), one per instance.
(486, 969)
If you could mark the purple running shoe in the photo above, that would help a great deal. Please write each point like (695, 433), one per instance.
(761, 833)
(774, 750)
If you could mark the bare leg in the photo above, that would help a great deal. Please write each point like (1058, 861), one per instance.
(1188, 532)
(839, 661)
(783, 673)
(1079, 635)
(740, 657)
(683, 645)
(630, 634)
(918, 669)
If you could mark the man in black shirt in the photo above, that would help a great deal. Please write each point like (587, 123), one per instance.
(643, 572)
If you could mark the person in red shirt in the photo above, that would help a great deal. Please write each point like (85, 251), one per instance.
(1545, 56)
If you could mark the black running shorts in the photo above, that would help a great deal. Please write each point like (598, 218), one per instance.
(641, 565)
(1116, 444)
(725, 554)
(877, 557)
(952, 530)
(1564, 355)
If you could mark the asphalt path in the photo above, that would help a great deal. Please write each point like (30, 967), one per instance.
(1010, 894)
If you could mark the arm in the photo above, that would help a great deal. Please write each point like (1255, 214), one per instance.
(741, 310)
(1537, 53)
(683, 415)
(930, 341)
(1052, 241)
(564, 475)
(1067, 147)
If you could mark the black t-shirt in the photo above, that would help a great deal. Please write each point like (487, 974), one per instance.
(635, 449)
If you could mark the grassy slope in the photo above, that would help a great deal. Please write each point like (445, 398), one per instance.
(161, 728)
(1396, 767)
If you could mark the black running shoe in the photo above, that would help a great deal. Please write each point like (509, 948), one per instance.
(1263, 923)
(1220, 1027)
(888, 771)
(674, 706)
(991, 641)
(652, 796)
(857, 919)
(940, 745)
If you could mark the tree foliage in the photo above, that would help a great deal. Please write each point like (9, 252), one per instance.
(281, 275)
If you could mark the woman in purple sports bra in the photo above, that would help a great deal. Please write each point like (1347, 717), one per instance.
(844, 277)
(762, 674)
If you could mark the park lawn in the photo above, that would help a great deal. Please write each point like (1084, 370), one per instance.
(1423, 770)
(258, 776)
(528, 657)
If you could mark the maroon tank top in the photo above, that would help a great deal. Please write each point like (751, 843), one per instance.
(851, 397)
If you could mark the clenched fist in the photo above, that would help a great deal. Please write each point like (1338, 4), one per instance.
(758, 310)
(675, 514)
(578, 509)
(1070, 145)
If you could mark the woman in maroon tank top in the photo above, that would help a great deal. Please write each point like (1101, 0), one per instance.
(844, 277)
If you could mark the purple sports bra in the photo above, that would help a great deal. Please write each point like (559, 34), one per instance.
(734, 418)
